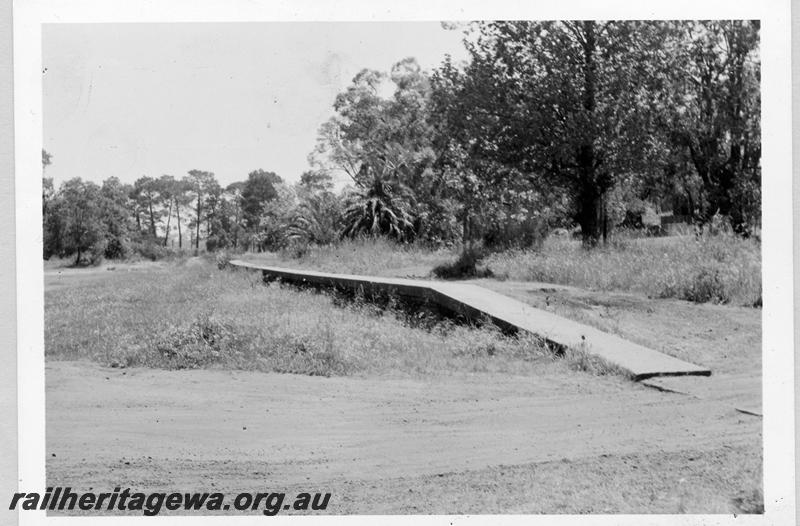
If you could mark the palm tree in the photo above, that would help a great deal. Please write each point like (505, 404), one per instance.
(381, 206)
(317, 219)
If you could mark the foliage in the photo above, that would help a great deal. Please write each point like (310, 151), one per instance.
(465, 266)
(258, 189)
(717, 127)
(545, 125)
(379, 209)
(385, 147)
(76, 221)
(317, 219)
(720, 268)
(316, 181)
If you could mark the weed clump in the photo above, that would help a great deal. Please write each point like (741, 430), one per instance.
(203, 342)
(579, 359)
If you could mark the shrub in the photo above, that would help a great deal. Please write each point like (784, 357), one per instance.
(96, 252)
(202, 342)
(151, 249)
(116, 248)
(212, 244)
(707, 285)
(465, 266)
(223, 260)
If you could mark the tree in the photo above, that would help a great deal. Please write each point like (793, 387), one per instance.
(47, 197)
(379, 209)
(256, 192)
(717, 126)
(573, 101)
(199, 183)
(233, 198)
(276, 218)
(316, 180)
(181, 197)
(167, 186)
(82, 228)
(384, 146)
(316, 219)
(146, 194)
(113, 209)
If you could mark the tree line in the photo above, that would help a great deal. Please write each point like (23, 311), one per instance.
(546, 124)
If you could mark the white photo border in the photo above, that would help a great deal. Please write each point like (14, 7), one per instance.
(777, 233)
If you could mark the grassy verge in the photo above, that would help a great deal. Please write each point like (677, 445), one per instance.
(711, 268)
(720, 269)
(370, 256)
(188, 316)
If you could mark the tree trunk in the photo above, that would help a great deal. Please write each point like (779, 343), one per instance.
(589, 194)
(604, 212)
(169, 216)
(197, 235)
(590, 211)
(152, 218)
(178, 213)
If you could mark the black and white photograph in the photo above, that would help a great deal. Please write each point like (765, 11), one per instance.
(452, 266)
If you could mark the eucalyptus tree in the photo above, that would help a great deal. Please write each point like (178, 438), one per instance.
(384, 144)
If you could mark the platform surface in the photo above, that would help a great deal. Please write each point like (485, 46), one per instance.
(639, 361)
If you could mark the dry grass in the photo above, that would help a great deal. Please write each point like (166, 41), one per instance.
(369, 256)
(680, 482)
(718, 268)
(191, 316)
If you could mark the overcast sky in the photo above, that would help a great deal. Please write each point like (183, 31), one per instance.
(151, 99)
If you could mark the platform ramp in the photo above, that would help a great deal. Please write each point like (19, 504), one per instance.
(476, 302)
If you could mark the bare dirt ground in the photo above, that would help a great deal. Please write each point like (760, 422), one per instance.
(568, 442)
(368, 440)
(724, 338)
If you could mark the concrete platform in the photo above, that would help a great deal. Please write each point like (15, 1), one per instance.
(476, 302)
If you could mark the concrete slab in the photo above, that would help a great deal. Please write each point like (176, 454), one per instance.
(473, 301)
(740, 391)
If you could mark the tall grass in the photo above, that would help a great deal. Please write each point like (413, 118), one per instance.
(371, 256)
(710, 268)
(198, 316)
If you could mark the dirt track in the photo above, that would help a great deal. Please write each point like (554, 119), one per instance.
(240, 431)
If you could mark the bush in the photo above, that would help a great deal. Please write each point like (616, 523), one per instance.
(707, 285)
(212, 244)
(295, 249)
(96, 252)
(223, 260)
(466, 266)
(116, 248)
(151, 250)
(203, 342)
